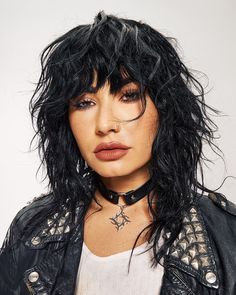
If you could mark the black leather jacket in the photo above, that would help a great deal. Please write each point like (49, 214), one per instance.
(201, 261)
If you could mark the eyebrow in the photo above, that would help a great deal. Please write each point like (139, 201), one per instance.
(124, 82)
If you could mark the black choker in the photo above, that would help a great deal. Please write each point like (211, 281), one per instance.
(130, 197)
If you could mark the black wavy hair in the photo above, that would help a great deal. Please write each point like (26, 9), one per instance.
(118, 49)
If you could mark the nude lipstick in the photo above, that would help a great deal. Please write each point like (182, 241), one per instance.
(110, 151)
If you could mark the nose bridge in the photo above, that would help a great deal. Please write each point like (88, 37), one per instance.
(105, 119)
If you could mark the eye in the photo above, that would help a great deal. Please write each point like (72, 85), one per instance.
(83, 104)
(130, 95)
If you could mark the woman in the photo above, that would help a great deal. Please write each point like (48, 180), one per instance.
(121, 122)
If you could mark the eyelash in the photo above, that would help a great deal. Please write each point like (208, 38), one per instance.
(133, 95)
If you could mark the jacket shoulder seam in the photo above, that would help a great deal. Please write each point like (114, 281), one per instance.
(222, 202)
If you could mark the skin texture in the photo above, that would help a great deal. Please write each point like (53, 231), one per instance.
(96, 124)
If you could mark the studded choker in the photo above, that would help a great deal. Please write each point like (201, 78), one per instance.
(130, 197)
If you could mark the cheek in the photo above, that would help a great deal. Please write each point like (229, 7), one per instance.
(149, 126)
(154, 125)
(77, 129)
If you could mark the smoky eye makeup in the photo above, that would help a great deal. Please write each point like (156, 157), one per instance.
(127, 94)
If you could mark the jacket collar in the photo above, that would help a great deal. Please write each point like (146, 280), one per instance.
(191, 252)
(41, 278)
(56, 228)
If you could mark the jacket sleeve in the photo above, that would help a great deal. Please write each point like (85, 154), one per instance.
(220, 217)
(12, 253)
(8, 262)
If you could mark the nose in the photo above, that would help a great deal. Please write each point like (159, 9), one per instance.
(105, 120)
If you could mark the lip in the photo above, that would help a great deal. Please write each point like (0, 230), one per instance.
(111, 155)
(110, 146)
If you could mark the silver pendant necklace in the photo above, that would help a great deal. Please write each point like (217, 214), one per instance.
(120, 219)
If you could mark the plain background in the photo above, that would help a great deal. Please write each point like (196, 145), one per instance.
(205, 30)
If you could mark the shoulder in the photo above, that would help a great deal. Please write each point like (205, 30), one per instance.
(43, 221)
(216, 205)
(24, 217)
(32, 208)
(219, 215)
(206, 243)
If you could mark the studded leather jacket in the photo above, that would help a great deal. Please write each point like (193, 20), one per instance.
(202, 260)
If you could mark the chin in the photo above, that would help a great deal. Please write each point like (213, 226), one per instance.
(112, 172)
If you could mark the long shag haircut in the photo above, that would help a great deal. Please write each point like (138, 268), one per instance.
(118, 49)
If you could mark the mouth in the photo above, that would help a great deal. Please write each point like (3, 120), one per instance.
(111, 154)
(110, 146)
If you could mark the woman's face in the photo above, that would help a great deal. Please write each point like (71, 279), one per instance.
(95, 120)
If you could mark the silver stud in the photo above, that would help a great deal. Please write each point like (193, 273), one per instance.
(67, 229)
(205, 261)
(68, 213)
(59, 230)
(185, 258)
(36, 240)
(193, 210)
(175, 253)
(50, 221)
(186, 219)
(191, 238)
(55, 215)
(132, 197)
(193, 252)
(52, 230)
(188, 229)
(181, 235)
(198, 228)
(33, 276)
(200, 238)
(210, 277)
(202, 248)
(195, 264)
(183, 244)
(194, 218)
(111, 196)
(176, 241)
(44, 232)
(62, 220)
(223, 203)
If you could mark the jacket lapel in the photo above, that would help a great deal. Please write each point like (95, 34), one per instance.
(192, 253)
(56, 272)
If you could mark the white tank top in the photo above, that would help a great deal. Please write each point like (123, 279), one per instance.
(109, 275)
